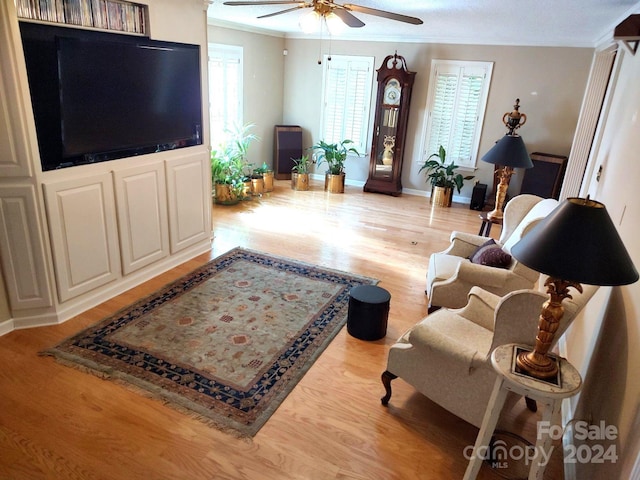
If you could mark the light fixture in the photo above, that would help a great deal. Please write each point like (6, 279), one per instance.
(576, 243)
(508, 152)
(335, 25)
(310, 22)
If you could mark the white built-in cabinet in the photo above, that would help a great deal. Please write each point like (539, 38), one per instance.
(84, 233)
(141, 200)
(189, 218)
(71, 239)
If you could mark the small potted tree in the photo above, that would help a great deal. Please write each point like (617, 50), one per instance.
(300, 173)
(334, 154)
(443, 178)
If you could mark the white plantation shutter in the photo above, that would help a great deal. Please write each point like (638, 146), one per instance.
(225, 87)
(455, 109)
(346, 99)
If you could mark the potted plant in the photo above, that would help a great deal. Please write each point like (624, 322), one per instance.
(230, 171)
(334, 154)
(300, 173)
(228, 187)
(443, 178)
(267, 176)
(238, 143)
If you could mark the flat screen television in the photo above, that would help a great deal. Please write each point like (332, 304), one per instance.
(100, 96)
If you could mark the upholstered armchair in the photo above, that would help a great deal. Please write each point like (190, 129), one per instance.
(453, 272)
(446, 356)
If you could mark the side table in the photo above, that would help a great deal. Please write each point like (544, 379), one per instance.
(485, 226)
(546, 393)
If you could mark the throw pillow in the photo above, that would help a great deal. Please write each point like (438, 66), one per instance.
(491, 255)
(491, 243)
(495, 257)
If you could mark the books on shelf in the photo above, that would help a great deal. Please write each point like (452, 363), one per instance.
(105, 14)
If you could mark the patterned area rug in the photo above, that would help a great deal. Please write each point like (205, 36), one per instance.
(226, 343)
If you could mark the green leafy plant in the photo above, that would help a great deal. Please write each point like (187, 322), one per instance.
(441, 174)
(264, 168)
(302, 164)
(334, 154)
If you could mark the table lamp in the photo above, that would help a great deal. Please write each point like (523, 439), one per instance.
(509, 152)
(576, 243)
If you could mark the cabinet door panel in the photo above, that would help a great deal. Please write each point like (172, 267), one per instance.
(141, 199)
(15, 153)
(23, 258)
(189, 193)
(84, 235)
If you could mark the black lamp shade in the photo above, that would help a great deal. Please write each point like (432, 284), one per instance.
(577, 242)
(509, 151)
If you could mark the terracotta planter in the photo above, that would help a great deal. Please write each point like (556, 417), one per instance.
(441, 196)
(299, 181)
(268, 181)
(334, 183)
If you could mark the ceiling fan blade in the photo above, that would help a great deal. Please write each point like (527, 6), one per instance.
(348, 18)
(262, 2)
(283, 11)
(382, 13)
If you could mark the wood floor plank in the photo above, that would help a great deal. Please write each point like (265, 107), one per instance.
(60, 423)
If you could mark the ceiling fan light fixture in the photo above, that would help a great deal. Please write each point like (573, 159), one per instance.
(335, 25)
(310, 22)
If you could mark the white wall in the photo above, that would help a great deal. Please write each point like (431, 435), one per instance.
(605, 342)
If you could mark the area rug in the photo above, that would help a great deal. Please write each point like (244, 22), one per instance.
(227, 342)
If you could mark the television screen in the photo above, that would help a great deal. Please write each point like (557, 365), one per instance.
(99, 96)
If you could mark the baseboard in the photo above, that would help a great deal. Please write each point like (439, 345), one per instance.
(6, 327)
(405, 191)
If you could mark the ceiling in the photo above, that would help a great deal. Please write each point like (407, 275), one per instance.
(573, 23)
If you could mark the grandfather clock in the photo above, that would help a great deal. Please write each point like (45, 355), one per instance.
(390, 127)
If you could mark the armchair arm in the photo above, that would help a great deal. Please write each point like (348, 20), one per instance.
(464, 244)
(516, 319)
(484, 275)
(481, 307)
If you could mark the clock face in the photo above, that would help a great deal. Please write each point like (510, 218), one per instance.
(392, 92)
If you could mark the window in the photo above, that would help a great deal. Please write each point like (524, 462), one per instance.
(346, 99)
(225, 87)
(456, 103)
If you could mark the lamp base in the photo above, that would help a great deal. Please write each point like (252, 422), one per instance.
(536, 365)
(495, 214)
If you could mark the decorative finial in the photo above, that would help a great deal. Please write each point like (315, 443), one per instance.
(514, 120)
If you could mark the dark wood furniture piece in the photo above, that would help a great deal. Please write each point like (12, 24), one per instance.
(487, 223)
(395, 83)
(287, 145)
(545, 178)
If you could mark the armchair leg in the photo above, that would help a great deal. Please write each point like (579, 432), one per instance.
(387, 376)
(531, 404)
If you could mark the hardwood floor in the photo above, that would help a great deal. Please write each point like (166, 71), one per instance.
(59, 423)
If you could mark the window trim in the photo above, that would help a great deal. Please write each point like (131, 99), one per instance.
(436, 66)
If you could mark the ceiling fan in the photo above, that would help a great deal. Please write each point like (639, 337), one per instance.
(326, 7)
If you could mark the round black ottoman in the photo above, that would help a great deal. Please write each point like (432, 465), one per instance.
(368, 312)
